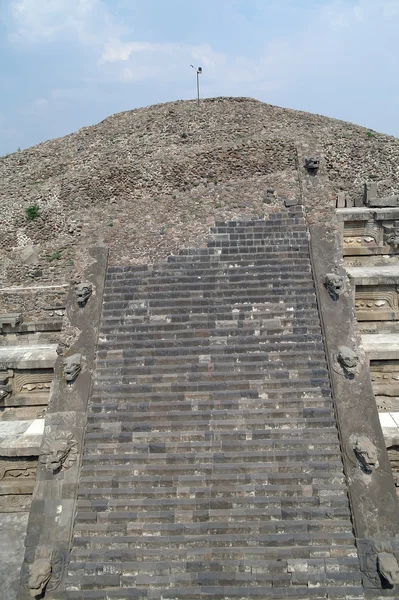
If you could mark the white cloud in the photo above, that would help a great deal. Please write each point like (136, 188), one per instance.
(338, 53)
(42, 21)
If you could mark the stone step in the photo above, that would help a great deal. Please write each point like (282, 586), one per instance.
(225, 276)
(223, 540)
(204, 425)
(203, 290)
(204, 373)
(381, 346)
(192, 310)
(190, 346)
(206, 304)
(216, 268)
(203, 397)
(245, 554)
(196, 497)
(94, 523)
(173, 564)
(245, 313)
(29, 357)
(247, 328)
(237, 444)
(154, 415)
(282, 494)
(238, 384)
(291, 359)
(21, 438)
(248, 253)
(215, 396)
(299, 475)
(211, 367)
(381, 275)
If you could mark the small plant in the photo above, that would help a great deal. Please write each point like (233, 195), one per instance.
(215, 182)
(18, 149)
(218, 205)
(184, 135)
(54, 256)
(32, 212)
(110, 223)
(370, 134)
(174, 196)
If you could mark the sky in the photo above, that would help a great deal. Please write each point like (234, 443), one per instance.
(65, 64)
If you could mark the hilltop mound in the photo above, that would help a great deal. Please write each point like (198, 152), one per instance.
(149, 181)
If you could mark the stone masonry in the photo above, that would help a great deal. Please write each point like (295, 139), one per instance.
(212, 466)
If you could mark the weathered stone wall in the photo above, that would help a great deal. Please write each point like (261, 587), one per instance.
(35, 303)
(149, 181)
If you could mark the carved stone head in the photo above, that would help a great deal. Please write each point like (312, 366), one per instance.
(392, 240)
(72, 367)
(335, 284)
(366, 453)
(39, 576)
(391, 235)
(5, 385)
(312, 164)
(83, 292)
(388, 567)
(59, 452)
(348, 359)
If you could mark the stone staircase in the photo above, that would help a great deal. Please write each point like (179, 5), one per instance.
(212, 465)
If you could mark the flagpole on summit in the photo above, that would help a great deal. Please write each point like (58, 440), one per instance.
(198, 70)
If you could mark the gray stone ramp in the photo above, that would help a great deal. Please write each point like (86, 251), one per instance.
(212, 466)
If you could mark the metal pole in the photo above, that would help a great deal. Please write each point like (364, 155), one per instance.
(198, 91)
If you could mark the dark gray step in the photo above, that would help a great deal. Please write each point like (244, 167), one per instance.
(249, 431)
(272, 368)
(228, 297)
(153, 414)
(261, 384)
(106, 493)
(290, 359)
(86, 526)
(261, 275)
(173, 564)
(103, 492)
(214, 269)
(208, 290)
(302, 474)
(125, 374)
(273, 511)
(246, 554)
(285, 317)
(278, 590)
(243, 315)
(197, 345)
(264, 245)
(311, 406)
(207, 372)
(298, 304)
(200, 426)
(157, 455)
(268, 329)
(232, 443)
(192, 541)
(102, 398)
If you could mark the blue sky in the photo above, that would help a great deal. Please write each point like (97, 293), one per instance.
(70, 63)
